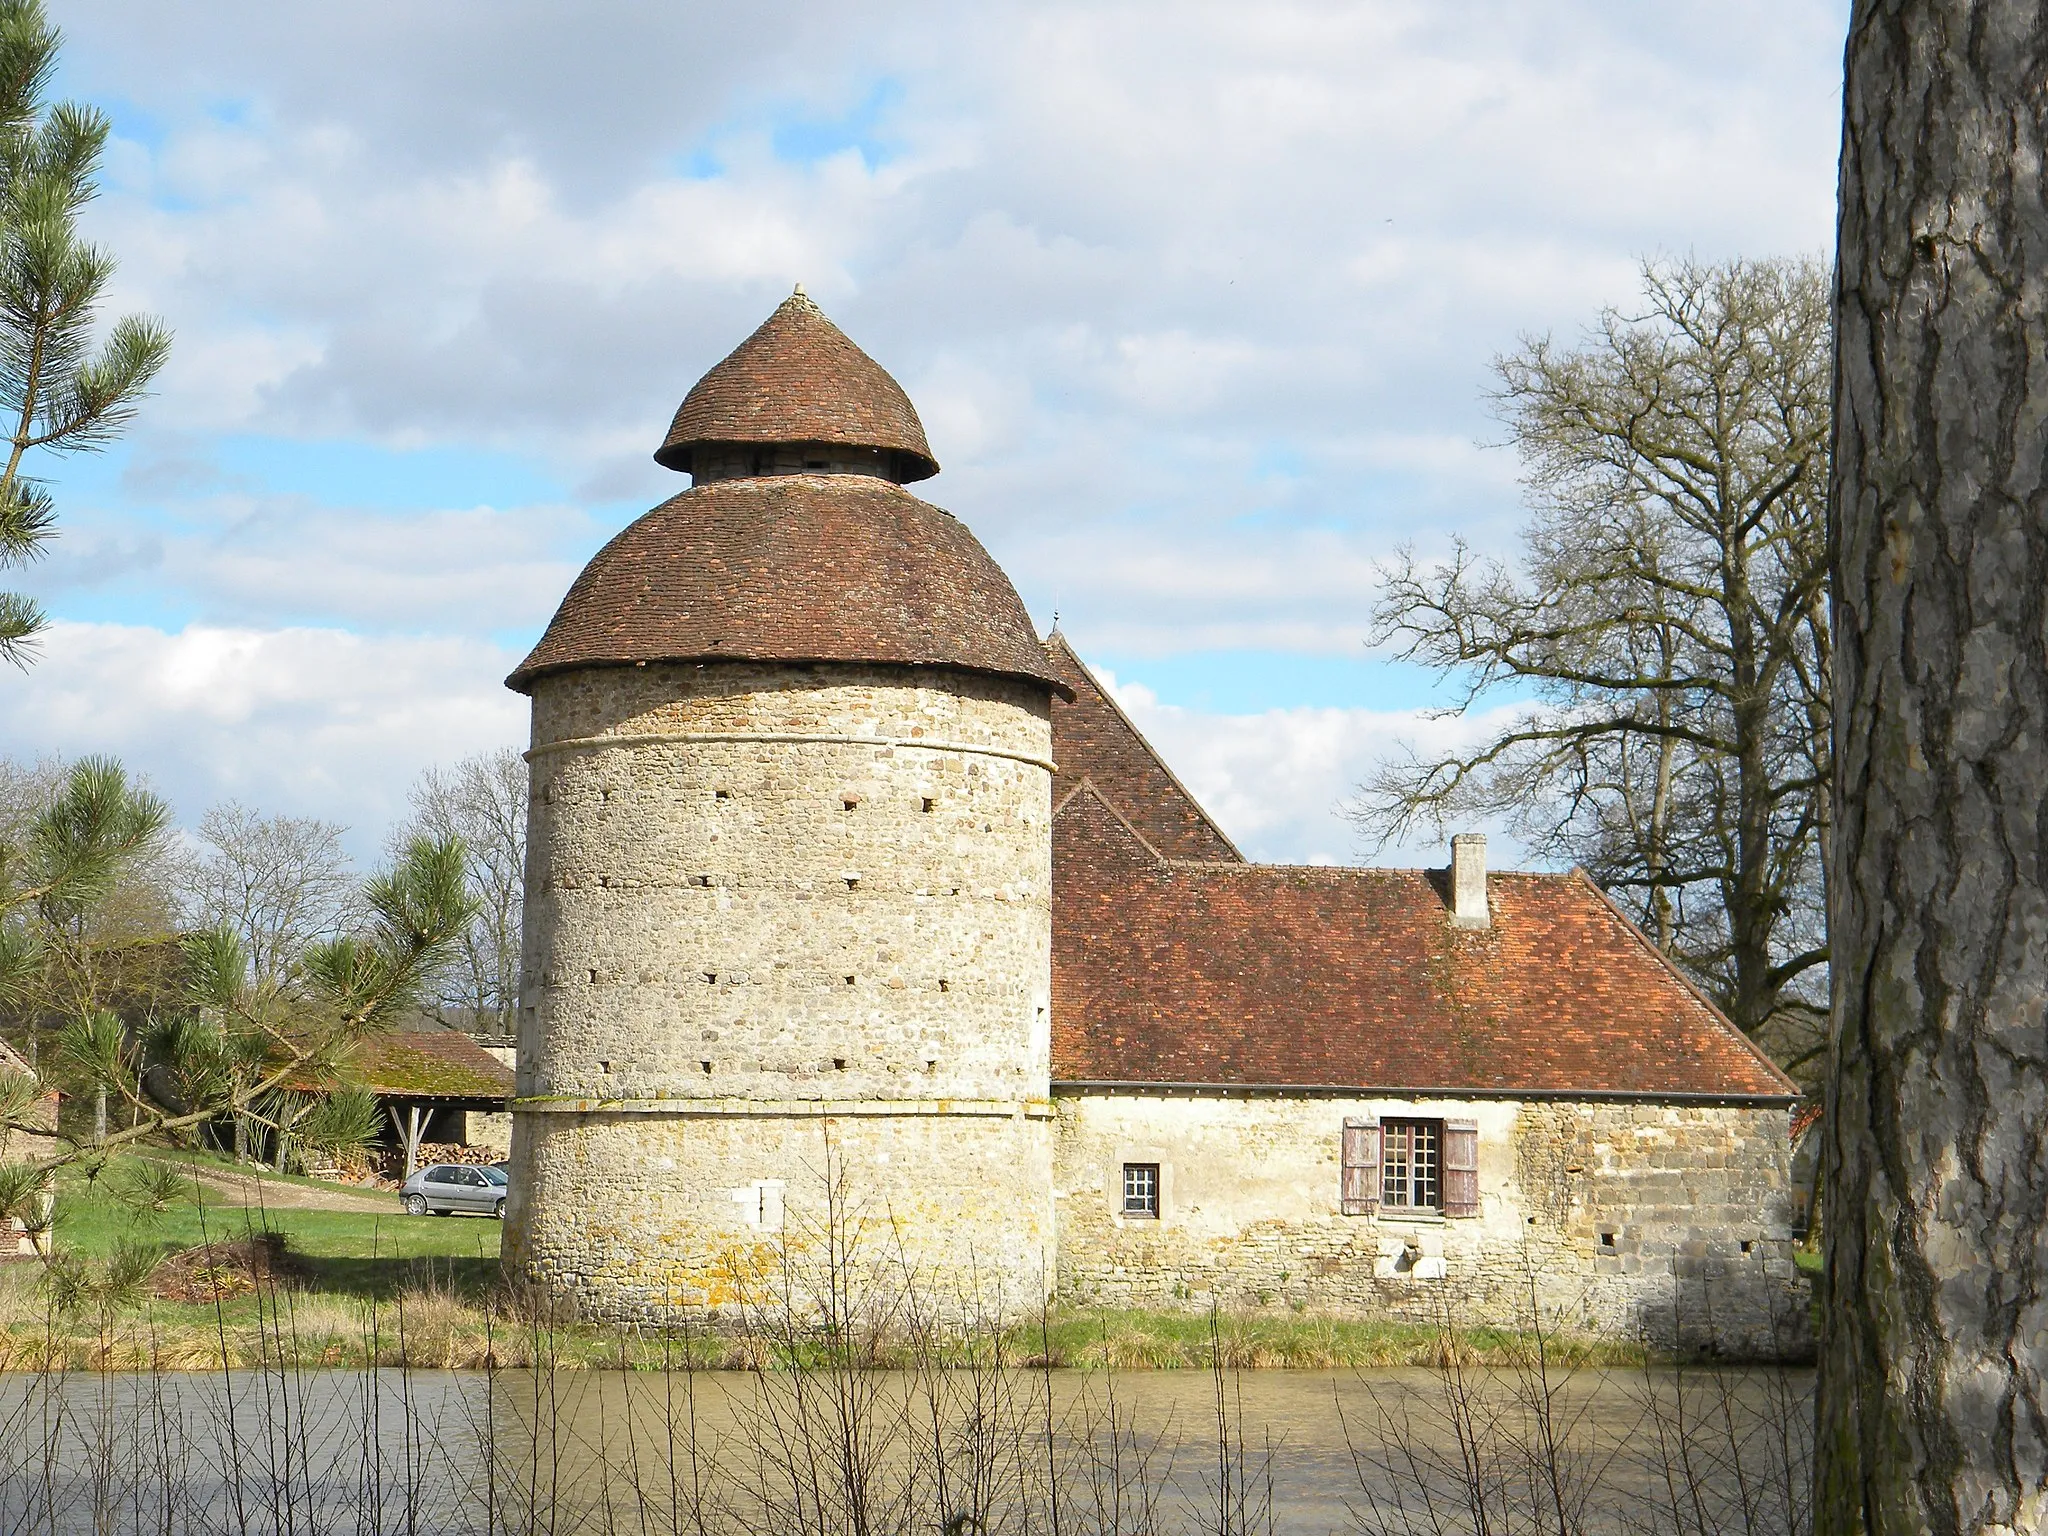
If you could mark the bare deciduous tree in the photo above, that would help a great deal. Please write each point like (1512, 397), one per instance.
(280, 883)
(1668, 625)
(1934, 1352)
(482, 802)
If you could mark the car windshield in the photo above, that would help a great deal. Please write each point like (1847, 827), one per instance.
(493, 1176)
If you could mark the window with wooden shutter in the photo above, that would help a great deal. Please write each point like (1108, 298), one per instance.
(1361, 1178)
(1411, 1165)
(1461, 1168)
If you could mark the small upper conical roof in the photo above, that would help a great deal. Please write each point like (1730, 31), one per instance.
(798, 379)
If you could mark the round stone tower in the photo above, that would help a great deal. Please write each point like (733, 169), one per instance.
(787, 961)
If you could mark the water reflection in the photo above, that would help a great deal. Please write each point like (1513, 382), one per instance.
(882, 1451)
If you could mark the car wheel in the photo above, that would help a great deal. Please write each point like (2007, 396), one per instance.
(416, 1205)
(498, 1210)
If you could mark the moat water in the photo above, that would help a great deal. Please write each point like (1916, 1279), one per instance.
(589, 1452)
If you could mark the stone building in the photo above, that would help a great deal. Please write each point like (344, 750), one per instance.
(21, 1143)
(860, 918)
(788, 900)
(1424, 1093)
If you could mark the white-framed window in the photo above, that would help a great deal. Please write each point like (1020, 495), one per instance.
(1141, 1191)
(1411, 1165)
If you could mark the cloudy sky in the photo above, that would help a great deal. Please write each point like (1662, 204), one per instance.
(1197, 302)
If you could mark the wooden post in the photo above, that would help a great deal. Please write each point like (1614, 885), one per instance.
(411, 1136)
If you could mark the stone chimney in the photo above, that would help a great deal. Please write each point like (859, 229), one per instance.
(1468, 880)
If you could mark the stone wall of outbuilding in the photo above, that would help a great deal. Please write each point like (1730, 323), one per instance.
(1671, 1222)
(22, 1147)
(762, 901)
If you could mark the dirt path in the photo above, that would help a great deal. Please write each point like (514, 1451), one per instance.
(224, 1186)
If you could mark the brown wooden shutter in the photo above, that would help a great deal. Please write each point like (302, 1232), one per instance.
(1361, 1184)
(1461, 1168)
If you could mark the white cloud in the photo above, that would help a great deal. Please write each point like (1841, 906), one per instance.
(1198, 298)
(308, 721)
(1278, 781)
(249, 559)
(1267, 221)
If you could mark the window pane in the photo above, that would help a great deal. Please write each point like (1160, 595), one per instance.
(1141, 1189)
(1394, 1164)
(1412, 1165)
(1428, 1164)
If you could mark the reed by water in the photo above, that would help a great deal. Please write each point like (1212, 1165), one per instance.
(845, 1404)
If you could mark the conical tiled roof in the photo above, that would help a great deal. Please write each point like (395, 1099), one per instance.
(798, 568)
(798, 379)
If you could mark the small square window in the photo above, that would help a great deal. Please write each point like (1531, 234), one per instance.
(1141, 1190)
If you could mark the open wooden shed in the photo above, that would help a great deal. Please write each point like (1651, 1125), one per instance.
(431, 1083)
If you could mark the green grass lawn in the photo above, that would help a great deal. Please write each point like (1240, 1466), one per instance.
(367, 1253)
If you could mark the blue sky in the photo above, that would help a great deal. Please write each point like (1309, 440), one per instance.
(1197, 301)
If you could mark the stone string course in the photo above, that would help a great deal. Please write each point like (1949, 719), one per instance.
(787, 996)
(733, 923)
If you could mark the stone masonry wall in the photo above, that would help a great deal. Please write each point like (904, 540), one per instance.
(761, 899)
(642, 1216)
(1668, 1221)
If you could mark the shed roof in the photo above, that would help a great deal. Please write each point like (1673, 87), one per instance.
(812, 567)
(431, 1064)
(799, 379)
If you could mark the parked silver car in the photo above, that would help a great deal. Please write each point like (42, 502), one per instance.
(445, 1188)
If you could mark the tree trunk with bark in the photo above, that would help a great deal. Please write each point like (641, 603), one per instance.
(1933, 1412)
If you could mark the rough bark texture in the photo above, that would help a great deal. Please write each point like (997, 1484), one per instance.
(1936, 1329)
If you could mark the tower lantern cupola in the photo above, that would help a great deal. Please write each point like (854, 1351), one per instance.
(797, 397)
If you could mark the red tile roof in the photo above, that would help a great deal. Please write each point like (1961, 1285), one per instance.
(1241, 974)
(430, 1064)
(799, 379)
(793, 568)
(1093, 739)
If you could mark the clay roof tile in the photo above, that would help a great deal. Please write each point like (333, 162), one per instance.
(799, 379)
(431, 1064)
(1233, 974)
(799, 568)
(1093, 739)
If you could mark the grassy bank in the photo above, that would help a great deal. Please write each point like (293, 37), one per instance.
(380, 1287)
(437, 1325)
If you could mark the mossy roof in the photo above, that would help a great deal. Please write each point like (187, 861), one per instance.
(431, 1064)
